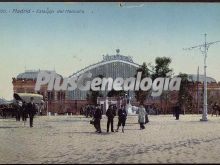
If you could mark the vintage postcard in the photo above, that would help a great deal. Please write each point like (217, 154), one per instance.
(109, 82)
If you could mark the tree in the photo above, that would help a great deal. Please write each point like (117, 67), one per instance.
(142, 95)
(185, 98)
(162, 69)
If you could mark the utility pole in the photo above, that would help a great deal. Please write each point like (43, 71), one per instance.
(204, 51)
(197, 93)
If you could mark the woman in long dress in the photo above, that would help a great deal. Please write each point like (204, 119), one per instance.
(141, 116)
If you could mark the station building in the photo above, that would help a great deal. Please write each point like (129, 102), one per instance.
(116, 65)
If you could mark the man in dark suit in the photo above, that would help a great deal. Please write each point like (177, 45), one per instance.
(97, 119)
(122, 116)
(24, 112)
(32, 110)
(177, 111)
(110, 113)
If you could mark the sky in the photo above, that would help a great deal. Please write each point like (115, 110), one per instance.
(68, 42)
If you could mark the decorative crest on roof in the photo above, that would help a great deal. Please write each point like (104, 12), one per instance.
(117, 57)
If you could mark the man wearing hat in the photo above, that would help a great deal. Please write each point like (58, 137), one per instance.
(31, 109)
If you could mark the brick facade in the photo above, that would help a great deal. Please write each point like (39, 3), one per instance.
(56, 102)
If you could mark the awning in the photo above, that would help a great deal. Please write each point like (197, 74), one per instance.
(27, 96)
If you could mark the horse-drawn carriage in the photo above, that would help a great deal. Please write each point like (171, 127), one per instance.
(17, 106)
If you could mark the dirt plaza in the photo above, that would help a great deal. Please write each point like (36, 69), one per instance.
(71, 139)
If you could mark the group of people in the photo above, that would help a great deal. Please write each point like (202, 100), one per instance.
(110, 113)
(25, 110)
(122, 116)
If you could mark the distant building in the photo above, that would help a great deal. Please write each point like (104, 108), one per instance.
(25, 83)
(112, 66)
(200, 78)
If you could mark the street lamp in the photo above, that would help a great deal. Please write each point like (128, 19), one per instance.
(205, 51)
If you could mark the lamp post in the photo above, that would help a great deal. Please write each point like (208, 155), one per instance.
(205, 105)
(205, 51)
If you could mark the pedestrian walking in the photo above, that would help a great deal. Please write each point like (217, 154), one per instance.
(177, 111)
(24, 112)
(122, 116)
(141, 116)
(32, 110)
